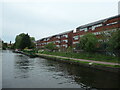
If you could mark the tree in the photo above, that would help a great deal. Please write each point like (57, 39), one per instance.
(50, 46)
(89, 42)
(0, 43)
(114, 41)
(32, 38)
(104, 39)
(77, 46)
(18, 40)
(24, 40)
(4, 45)
(69, 49)
(33, 45)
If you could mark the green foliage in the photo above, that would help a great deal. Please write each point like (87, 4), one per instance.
(85, 55)
(33, 45)
(69, 49)
(32, 38)
(50, 46)
(24, 40)
(105, 37)
(77, 47)
(18, 40)
(114, 42)
(89, 42)
(4, 45)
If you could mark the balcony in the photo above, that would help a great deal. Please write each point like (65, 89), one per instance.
(57, 43)
(64, 42)
(63, 38)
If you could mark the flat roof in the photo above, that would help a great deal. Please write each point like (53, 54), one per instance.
(55, 35)
(97, 22)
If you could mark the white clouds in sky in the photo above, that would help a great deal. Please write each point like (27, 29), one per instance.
(42, 18)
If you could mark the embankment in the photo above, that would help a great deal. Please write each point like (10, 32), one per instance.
(110, 68)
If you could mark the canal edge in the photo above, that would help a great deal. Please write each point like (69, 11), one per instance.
(80, 63)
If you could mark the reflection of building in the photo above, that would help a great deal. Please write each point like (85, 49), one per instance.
(70, 38)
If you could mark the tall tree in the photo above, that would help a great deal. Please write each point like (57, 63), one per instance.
(114, 41)
(88, 42)
(24, 40)
(18, 40)
(33, 45)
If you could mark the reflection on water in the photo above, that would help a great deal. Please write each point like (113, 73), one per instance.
(22, 66)
(86, 77)
(20, 71)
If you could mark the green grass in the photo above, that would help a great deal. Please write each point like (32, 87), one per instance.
(88, 56)
(114, 66)
(107, 65)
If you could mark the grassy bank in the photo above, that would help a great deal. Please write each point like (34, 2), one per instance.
(88, 56)
(106, 67)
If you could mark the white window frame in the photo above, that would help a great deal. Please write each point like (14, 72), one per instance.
(98, 25)
(76, 37)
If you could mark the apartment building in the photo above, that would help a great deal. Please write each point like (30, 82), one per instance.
(62, 40)
(97, 28)
(70, 38)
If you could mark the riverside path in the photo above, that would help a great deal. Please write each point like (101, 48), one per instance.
(91, 61)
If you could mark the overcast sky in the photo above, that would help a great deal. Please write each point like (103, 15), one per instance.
(42, 18)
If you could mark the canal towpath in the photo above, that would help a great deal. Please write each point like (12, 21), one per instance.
(84, 60)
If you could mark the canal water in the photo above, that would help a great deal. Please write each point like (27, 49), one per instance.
(20, 71)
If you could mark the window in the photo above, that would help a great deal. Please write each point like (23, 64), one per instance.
(57, 45)
(65, 45)
(53, 42)
(75, 42)
(48, 39)
(83, 29)
(44, 39)
(48, 42)
(112, 23)
(75, 37)
(58, 37)
(90, 27)
(98, 25)
(65, 41)
(57, 41)
(81, 35)
(97, 33)
(65, 36)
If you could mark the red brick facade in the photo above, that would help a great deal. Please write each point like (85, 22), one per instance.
(62, 40)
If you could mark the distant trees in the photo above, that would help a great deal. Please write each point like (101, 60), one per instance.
(24, 40)
(0, 44)
(4, 45)
(88, 43)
